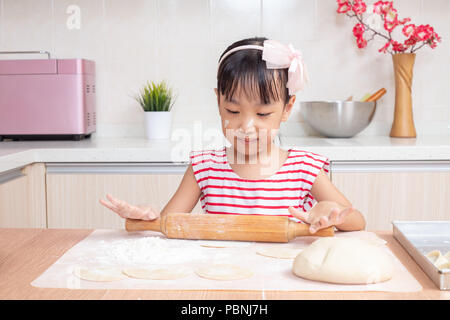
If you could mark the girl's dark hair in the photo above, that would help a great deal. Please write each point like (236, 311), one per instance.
(246, 69)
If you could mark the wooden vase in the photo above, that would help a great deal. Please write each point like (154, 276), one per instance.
(403, 125)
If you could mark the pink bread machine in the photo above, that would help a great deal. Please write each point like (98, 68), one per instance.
(47, 98)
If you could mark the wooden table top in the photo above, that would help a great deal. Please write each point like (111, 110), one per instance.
(27, 253)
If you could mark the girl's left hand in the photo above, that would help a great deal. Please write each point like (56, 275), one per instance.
(322, 215)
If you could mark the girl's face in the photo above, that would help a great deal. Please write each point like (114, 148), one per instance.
(249, 125)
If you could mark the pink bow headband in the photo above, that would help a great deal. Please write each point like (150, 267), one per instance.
(280, 56)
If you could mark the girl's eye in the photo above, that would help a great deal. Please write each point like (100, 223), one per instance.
(259, 114)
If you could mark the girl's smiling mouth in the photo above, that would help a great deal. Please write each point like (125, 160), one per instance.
(247, 140)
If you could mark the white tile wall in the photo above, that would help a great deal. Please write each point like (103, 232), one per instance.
(2, 21)
(27, 25)
(181, 40)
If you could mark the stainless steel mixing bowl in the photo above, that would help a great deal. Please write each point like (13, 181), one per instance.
(338, 119)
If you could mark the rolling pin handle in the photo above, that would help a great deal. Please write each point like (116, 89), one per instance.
(142, 225)
(325, 232)
(297, 229)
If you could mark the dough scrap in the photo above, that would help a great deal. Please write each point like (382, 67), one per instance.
(439, 260)
(278, 252)
(99, 274)
(344, 260)
(447, 256)
(223, 272)
(445, 265)
(157, 273)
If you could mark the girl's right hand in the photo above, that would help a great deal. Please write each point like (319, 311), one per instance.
(126, 210)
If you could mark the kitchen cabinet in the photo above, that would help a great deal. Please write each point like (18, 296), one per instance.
(22, 197)
(385, 191)
(74, 190)
(65, 195)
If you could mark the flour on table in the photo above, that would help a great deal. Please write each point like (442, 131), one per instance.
(144, 251)
(223, 272)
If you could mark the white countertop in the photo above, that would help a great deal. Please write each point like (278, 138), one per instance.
(16, 154)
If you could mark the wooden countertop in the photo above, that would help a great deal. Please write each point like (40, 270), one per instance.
(27, 253)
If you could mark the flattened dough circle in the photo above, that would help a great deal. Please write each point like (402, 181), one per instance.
(98, 274)
(157, 273)
(278, 252)
(223, 244)
(223, 272)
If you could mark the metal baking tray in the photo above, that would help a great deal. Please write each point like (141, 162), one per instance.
(421, 237)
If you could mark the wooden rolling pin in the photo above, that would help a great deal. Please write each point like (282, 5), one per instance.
(226, 227)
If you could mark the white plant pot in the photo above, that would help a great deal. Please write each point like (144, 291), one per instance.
(158, 124)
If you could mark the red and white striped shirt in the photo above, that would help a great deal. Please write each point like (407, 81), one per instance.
(224, 192)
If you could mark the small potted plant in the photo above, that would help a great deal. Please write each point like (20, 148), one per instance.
(157, 100)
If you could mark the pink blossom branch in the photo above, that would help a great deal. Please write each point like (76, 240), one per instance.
(412, 51)
(370, 29)
(419, 36)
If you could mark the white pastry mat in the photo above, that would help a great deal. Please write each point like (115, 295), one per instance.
(269, 273)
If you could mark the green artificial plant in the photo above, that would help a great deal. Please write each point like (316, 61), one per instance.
(156, 97)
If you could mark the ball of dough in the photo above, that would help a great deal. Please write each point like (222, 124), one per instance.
(344, 260)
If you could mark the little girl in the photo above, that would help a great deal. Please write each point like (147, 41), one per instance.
(256, 83)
